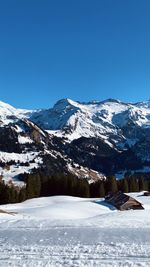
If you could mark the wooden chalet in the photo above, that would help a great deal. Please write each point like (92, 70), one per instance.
(147, 194)
(122, 201)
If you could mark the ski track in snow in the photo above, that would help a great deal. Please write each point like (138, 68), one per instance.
(98, 255)
(52, 248)
(37, 234)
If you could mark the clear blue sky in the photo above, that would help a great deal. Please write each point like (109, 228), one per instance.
(80, 49)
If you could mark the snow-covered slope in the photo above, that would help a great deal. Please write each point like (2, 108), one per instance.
(70, 208)
(22, 144)
(9, 114)
(68, 231)
(58, 208)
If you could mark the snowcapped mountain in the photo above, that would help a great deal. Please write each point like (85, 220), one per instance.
(89, 139)
(8, 114)
(115, 122)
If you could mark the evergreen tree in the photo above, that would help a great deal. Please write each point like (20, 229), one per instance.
(143, 185)
(101, 189)
(4, 193)
(83, 188)
(22, 194)
(125, 187)
(33, 187)
(111, 184)
(133, 184)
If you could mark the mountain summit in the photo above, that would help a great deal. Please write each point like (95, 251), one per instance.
(89, 139)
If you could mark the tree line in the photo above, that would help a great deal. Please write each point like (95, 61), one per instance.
(40, 185)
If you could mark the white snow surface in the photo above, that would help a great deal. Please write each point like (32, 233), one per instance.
(22, 157)
(24, 140)
(11, 173)
(68, 231)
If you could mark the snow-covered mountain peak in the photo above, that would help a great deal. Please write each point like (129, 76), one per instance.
(88, 133)
(66, 103)
(102, 119)
(92, 107)
(7, 113)
(6, 109)
(83, 119)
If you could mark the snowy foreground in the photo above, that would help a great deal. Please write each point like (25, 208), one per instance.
(67, 231)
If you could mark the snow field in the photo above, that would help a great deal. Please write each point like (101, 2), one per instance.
(69, 232)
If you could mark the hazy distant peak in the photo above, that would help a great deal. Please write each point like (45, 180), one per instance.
(143, 104)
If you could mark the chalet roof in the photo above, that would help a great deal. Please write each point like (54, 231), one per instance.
(118, 199)
(146, 194)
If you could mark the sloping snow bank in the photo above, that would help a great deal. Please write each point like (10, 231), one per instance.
(64, 231)
(58, 208)
(75, 208)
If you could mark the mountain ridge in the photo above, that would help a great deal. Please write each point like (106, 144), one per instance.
(100, 137)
